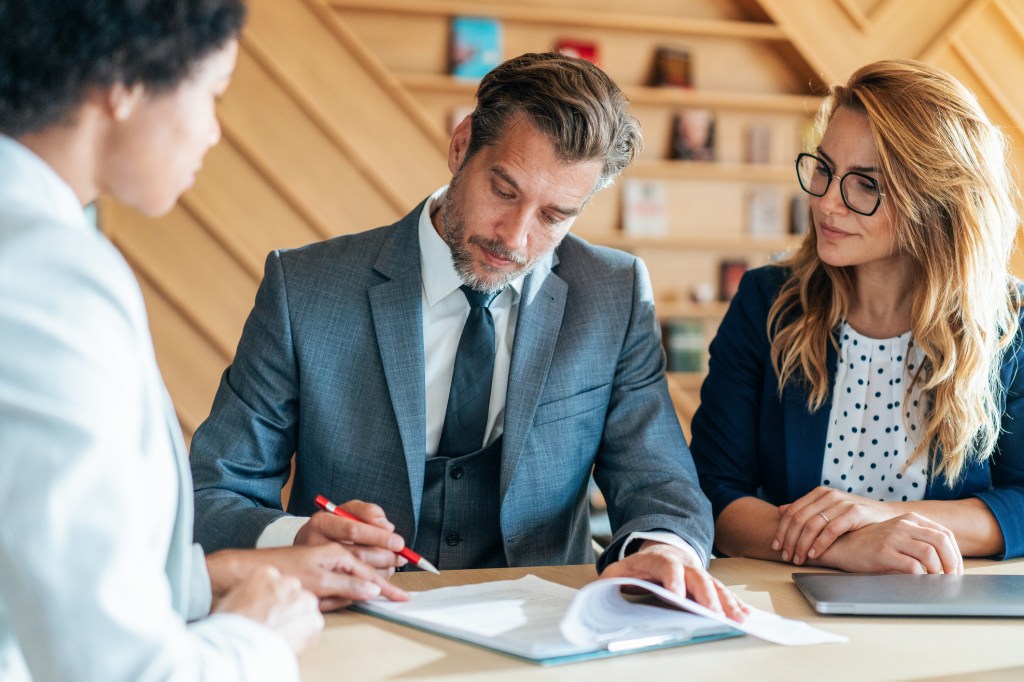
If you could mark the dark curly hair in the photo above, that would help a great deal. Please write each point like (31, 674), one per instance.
(53, 53)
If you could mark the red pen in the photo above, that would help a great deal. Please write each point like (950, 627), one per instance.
(412, 556)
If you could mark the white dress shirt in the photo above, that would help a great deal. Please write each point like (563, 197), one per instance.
(90, 487)
(445, 310)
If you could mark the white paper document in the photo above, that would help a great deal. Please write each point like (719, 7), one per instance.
(602, 602)
(545, 622)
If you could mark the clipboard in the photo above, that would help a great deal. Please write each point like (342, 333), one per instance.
(527, 618)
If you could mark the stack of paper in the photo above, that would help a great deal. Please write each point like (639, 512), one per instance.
(547, 623)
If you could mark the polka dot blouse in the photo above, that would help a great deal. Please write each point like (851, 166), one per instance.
(872, 429)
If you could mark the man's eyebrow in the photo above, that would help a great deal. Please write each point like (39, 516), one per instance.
(500, 172)
(567, 212)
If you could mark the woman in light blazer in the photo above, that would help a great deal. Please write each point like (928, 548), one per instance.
(98, 573)
(863, 407)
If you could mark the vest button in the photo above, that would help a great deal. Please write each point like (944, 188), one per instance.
(457, 473)
(452, 539)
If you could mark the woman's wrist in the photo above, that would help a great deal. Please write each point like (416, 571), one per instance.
(226, 569)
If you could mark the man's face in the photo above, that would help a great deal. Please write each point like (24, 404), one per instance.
(511, 204)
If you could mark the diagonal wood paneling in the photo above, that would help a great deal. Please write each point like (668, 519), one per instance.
(322, 137)
(317, 142)
(837, 36)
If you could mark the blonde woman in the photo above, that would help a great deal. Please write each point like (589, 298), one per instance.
(863, 406)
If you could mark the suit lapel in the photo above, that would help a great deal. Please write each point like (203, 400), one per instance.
(398, 321)
(541, 307)
(805, 436)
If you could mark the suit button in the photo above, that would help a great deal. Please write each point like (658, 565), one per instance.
(457, 473)
(453, 539)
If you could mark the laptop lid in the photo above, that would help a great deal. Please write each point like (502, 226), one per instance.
(913, 595)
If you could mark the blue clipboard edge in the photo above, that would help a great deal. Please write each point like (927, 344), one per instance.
(552, 660)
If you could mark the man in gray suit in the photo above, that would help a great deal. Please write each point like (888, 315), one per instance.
(468, 367)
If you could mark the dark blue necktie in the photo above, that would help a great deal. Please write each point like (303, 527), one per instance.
(470, 394)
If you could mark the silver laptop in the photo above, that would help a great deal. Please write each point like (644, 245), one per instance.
(913, 595)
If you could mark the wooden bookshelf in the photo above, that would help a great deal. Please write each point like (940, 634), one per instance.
(740, 243)
(618, 21)
(669, 169)
(639, 94)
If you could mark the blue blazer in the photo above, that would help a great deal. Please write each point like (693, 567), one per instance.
(748, 442)
(331, 366)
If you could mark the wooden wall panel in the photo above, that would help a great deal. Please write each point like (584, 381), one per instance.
(324, 135)
(837, 36)
(193, 270)
(246, 211)
(190, 364)
(348, 94)
(300, 158)
(410, 44)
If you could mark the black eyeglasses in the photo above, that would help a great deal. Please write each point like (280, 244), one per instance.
(860, 192)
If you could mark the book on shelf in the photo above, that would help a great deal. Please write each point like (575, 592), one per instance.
(673, 67)
(730, 272)
(684, 345)
(758, 143)
(765, 214)
(476, 46)
(799, 213)
(693, 135)
(583, 49)
(644, 207)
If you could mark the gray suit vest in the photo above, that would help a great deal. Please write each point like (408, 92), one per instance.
(459, 516)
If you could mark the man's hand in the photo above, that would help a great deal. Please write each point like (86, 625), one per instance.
(330, 571)
(677, 571)
(808, 526)
(910, 543)
(373, 542)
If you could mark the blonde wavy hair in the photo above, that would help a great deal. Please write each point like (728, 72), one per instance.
(945, 173)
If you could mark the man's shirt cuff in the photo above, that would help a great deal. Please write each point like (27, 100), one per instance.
(282, 532)
(634, 540)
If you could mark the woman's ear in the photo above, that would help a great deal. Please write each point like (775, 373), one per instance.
(122, 100)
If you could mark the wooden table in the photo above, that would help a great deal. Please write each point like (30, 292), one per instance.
(358, 647)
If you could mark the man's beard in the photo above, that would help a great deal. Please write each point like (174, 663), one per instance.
(454, 233)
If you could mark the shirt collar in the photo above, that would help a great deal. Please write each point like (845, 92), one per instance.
(439, 276)
(37, 184)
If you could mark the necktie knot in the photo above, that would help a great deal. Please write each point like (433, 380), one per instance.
(478, 299)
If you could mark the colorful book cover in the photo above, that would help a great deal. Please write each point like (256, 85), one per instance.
(583, 49)
(766, 214)
(758, 143)
(684, 345)
(693, 135)
(672, 67)
(476, 46)
(799, 213)
(644, 207)
(730, 272)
